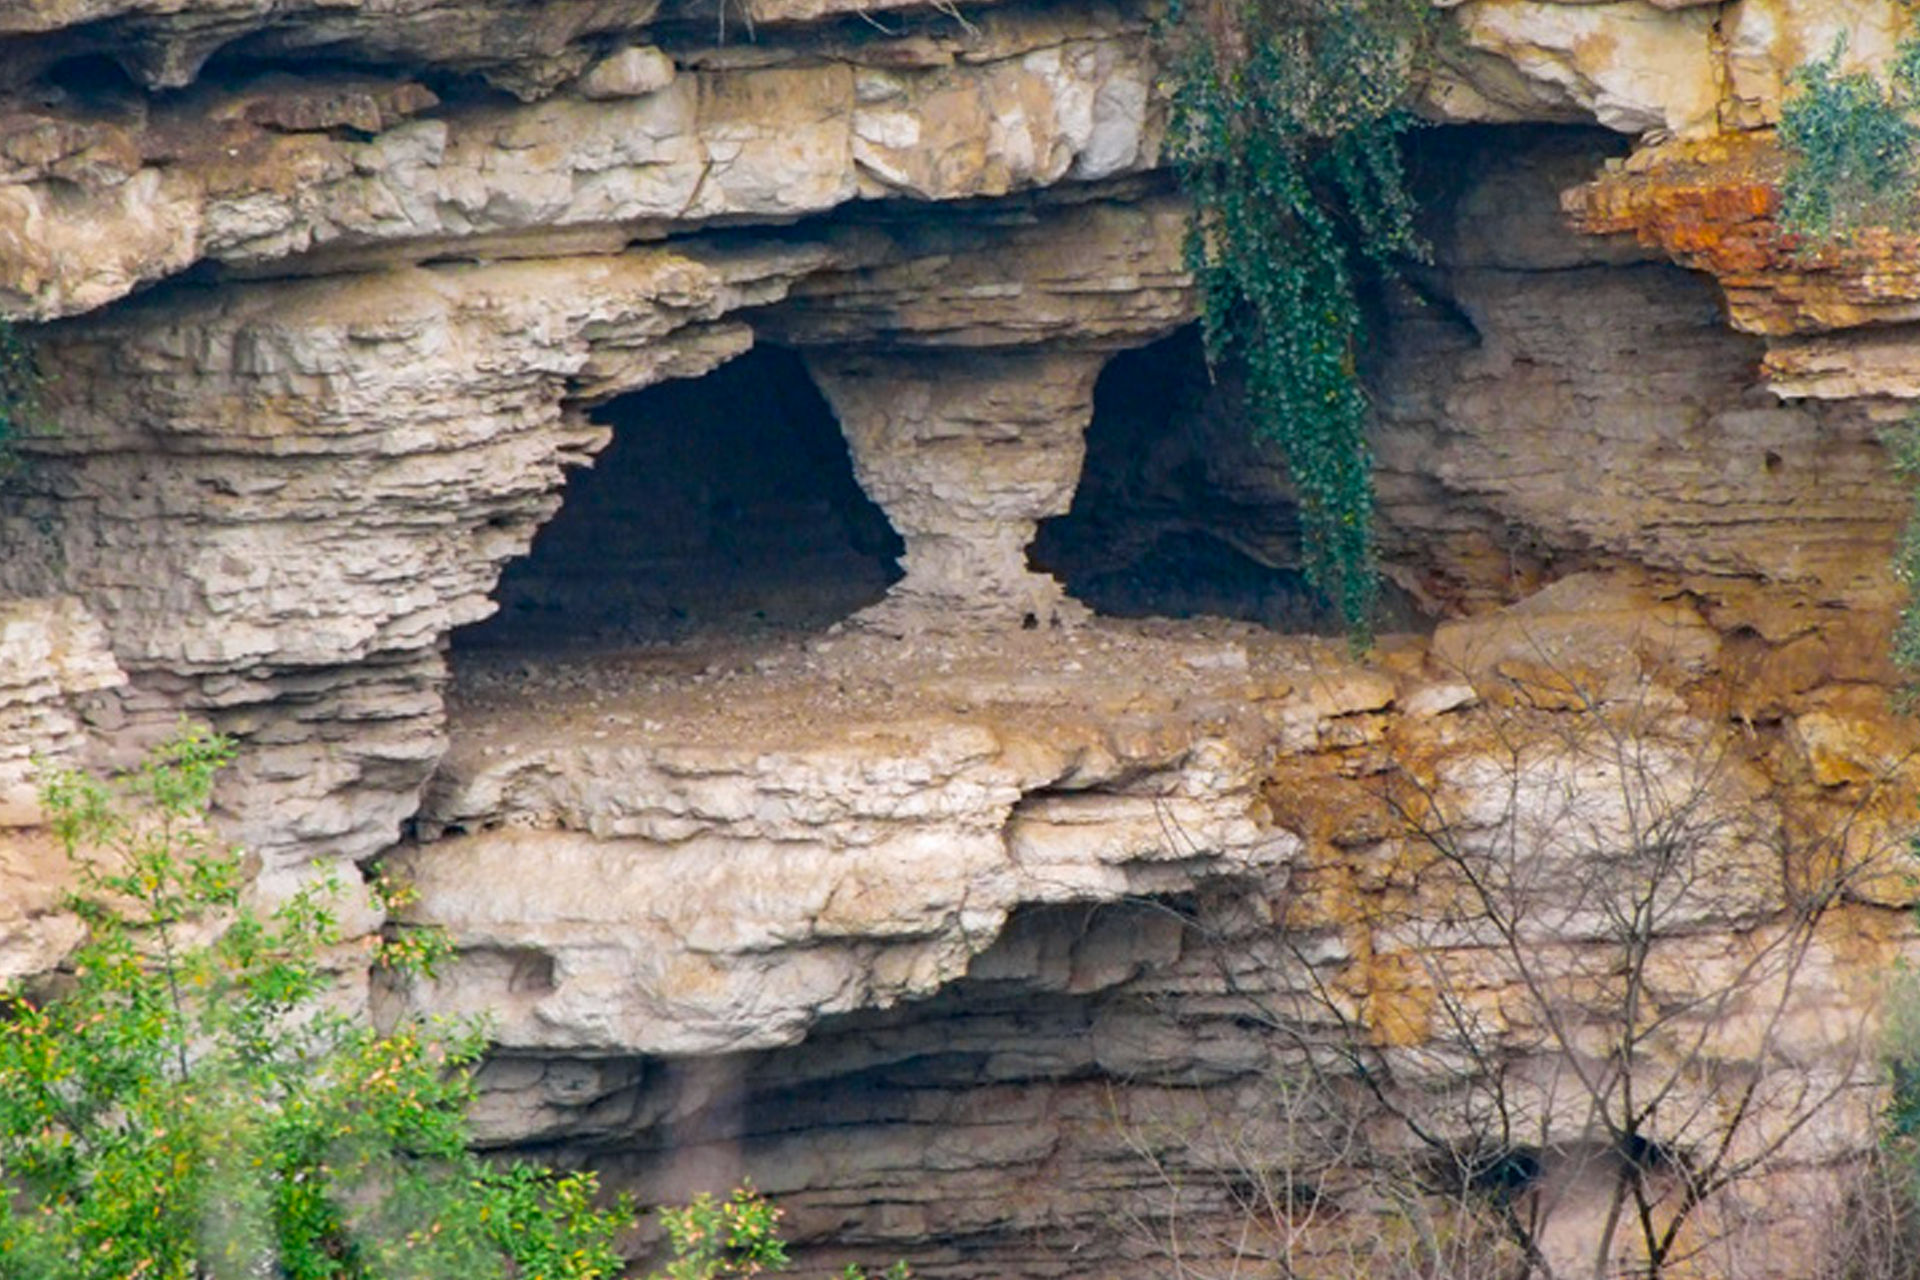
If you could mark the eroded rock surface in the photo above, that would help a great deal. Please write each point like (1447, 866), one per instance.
(909, 921)
(1557, 400)
(966, 456)
(56, 673)
(1093, 1067)
(53, 654)
(285, 501)
(98, 202)
(689, 886)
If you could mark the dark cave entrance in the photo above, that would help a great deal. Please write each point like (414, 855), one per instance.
(725, 503)
(1178, 513)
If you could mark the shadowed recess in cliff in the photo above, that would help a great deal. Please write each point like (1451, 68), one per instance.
(724, 503)
(1179, 513)
(1003, 1076)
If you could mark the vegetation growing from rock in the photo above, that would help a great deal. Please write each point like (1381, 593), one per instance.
(1286, 126)
(715, 1239)
(1853, 147)
(1903, 444)
(184, 1100)
(1576, 864)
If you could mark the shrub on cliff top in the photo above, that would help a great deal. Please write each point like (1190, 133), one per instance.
(1286, 123)
(1853, 147)
(1853, 152)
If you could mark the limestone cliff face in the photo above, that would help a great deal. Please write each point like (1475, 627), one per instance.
(339, 299)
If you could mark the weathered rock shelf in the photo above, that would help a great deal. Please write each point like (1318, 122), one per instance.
(884, 889)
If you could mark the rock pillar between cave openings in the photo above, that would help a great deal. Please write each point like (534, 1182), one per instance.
(966, 452)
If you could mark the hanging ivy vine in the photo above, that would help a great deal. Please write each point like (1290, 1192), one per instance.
(1286, 122)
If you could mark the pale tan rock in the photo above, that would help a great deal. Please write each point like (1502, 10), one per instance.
(1547, 818)
(966, 453)
(685, 890)
(1853, 735)
(276, 559)
(284, 558)
(1767, 40)
(1438, 699)
(1101, 275)
(54, 665)
(53, 654)
(855, 943)
(1511, 413)
(1474, 86)
(1634, 67)
(1040, 101)
(36, 932)
(1170, 1061)
(633, 72)
(1855, 365)
(1583, 642)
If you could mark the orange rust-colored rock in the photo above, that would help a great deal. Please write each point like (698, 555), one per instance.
(1712, 205)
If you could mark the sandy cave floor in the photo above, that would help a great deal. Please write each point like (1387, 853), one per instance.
(786, 690)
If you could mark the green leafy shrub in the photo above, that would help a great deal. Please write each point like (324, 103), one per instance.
(1852, 145)
(184, 1102)
(1285, 130)
(1853, 151)
(739, 1236)
(734, 1237)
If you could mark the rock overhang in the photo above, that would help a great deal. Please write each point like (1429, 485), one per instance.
(280, 494)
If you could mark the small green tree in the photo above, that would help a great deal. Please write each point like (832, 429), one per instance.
(183, 1103)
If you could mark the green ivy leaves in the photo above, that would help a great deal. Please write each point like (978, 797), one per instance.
(1285, 129)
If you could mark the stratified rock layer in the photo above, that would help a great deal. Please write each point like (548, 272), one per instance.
(1004, 1126)
(285, 500)
(56, 673)
(966, 456)
(689, 886)
(910, 923)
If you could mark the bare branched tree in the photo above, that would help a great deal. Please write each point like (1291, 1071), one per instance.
(1592, 1002)
(1293, 1185)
